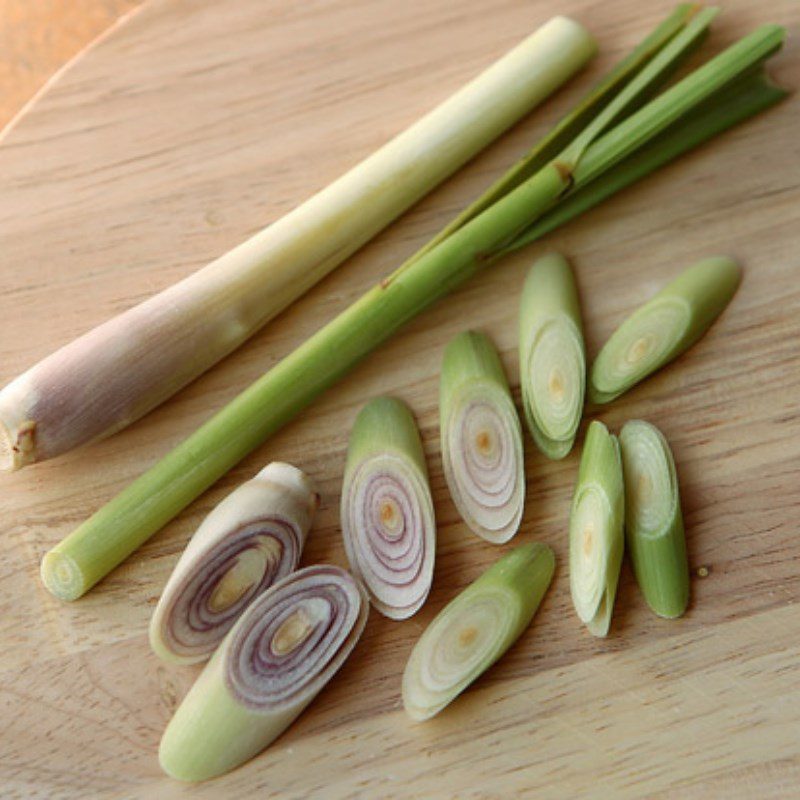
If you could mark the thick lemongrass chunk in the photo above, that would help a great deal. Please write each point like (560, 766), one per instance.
(552, 360)
(653, 519)
(274, 661)
(117, 372)
(481, 438)
(664, 327)
(596, 537)
(388, 522)
(475, 629)
(252, 539)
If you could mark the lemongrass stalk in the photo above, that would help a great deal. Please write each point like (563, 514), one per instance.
(252, 539)
(653, 520)
(387, 515)
(552, 361)
(664, 327)
(474, 630)
(481, 438)
(117, 529)
(117, 372)
(282, 651)
(596, 537)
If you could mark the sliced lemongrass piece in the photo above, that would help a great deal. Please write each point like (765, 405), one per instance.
(277, 657)
(552, 368)
(653, 519)
(664, 327)
(387, 514)
(252, 539)
(596, 538)
(472, 631)
(481, 438)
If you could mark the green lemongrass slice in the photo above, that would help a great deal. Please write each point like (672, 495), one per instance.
(664, 327)
(252, 539)
(387, 514)
(472, 631)
(126, 522)
(117, 372)
(596, 537)
(653, 519)
(481, 438)
(552, 361)
(278, 656)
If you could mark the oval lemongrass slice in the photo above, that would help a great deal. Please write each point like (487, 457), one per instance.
(653, 519)
(596, 538)
(250, 540)
(552, 369)
(387, 511)
(475, 629)
(664, 327)
(277, 657)
(481, 438)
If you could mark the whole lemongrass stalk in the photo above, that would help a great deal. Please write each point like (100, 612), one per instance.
(119, 371)
(596, 537)
(387, 514)
(252, 539)
(666, 326)
(653, 519)
(472, 631)
(481, 438)
(278, 656)
(552, 361)
(115, 531)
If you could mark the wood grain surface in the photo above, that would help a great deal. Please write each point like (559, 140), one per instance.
(192, 126)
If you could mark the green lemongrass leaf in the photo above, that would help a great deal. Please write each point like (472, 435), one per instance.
(278, 656)
(696, 88)
(567, 128)
(653, 519)
(664, 327)
(662, 65)
(753, 94)
(552, 369)
(252, 539)
(596, 537)
(475, 629)
(481, 438)
(387, 513)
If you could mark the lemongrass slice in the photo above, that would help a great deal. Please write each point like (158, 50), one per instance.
(252, 539)
(475, 629)
(387, 513)
(552, 369)
(653, 519)
(278, 656)
(664, 327)
(481, 438)
(596, 538)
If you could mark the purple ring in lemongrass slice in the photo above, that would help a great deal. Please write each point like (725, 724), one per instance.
(274, 661)
(481, 438)
(387, 513)
(252, 539)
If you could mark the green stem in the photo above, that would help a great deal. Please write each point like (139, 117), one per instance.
(115, 531)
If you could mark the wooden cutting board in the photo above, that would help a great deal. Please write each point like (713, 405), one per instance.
(196, 123)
